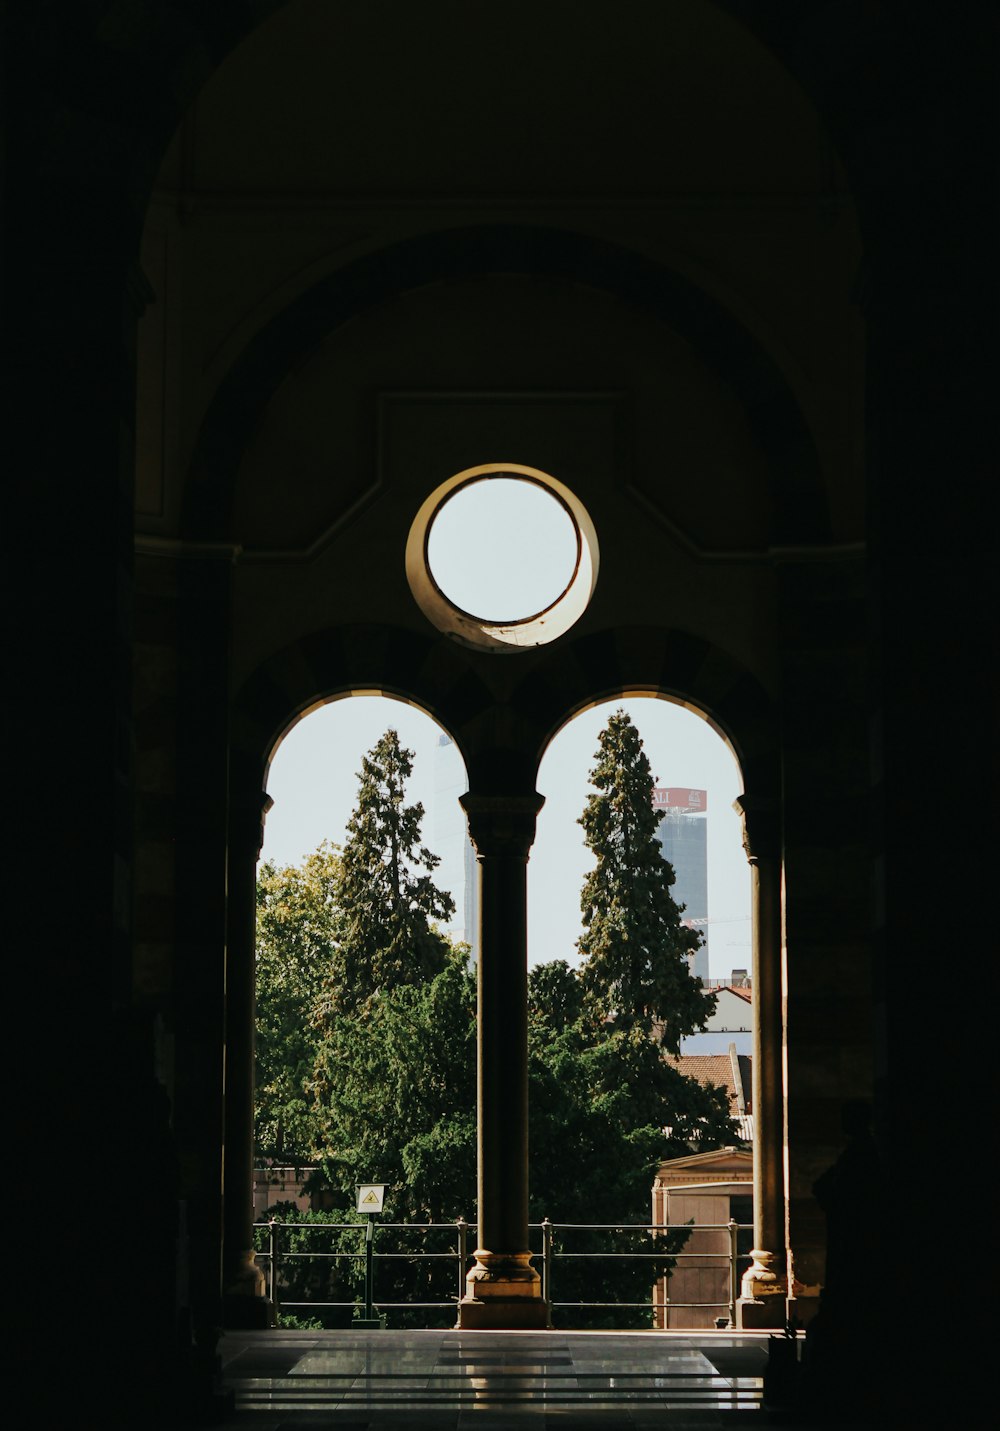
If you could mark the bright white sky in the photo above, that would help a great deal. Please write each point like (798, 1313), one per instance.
(313, 782)
(313, 778)
(473, 568)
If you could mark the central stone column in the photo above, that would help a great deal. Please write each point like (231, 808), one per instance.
(503, 1291)
(765, 1283)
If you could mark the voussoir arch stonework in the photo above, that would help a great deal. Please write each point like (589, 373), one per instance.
(774, 420)
(442, 680)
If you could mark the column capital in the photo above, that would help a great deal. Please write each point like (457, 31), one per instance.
(502, 824)
(761, 827)
(247, 819)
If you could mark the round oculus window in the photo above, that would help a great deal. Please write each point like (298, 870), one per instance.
(502, 557)
(503, 549)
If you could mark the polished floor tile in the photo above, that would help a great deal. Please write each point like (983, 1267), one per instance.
(573, 1381)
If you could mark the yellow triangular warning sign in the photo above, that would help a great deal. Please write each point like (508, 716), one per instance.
(371, 1197)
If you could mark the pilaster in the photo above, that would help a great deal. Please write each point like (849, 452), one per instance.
(765, 1284)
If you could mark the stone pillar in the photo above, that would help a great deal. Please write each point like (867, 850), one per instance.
(825, 859)
(503, 1290)
(765, 1283)
(245, 1303)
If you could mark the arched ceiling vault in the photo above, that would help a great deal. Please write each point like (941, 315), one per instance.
(342, 156)
(796, 505)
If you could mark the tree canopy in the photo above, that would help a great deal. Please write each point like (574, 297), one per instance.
(297, 915)
(606, 1110)
(387, 903)
(635, 947)
(395, 1096)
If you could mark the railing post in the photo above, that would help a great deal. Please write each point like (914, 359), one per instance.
(463, 1253)
(272, 1265)
(369, 1268)
(547, 1268)
(734, 1282)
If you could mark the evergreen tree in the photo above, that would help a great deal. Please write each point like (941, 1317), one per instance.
(634, 944)
(385, 934)
(606, 1104)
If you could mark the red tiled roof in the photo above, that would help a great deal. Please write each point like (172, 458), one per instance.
(715, 1068)
(745, 991)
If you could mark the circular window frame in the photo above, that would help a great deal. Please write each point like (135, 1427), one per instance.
(502, 636)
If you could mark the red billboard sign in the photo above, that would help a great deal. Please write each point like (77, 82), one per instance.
(679, 797)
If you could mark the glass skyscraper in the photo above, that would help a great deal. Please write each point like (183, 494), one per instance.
(683, 836)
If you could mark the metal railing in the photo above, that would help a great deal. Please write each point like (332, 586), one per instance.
(274, 1258)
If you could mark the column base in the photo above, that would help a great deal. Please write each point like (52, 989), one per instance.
(802, 1308)
(763, 1314)
(763, 1293)
(246, 1314)
(245, 1304)
(503, 1293)
(503, 1314)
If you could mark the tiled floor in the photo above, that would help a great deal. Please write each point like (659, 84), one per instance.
(451, 1380)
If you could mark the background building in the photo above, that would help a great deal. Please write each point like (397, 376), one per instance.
(457, 871)
(683, 836)
(706, 1189)
(731, 1023)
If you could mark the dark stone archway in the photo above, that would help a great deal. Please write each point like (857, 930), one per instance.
(445, 680)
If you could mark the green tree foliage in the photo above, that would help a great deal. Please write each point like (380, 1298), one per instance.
(555, 998)
(606, 1110)
(395, 1097)
(634, 945)
(317, 1263)
(297, 916)
(387, 901)
(395, 1091)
